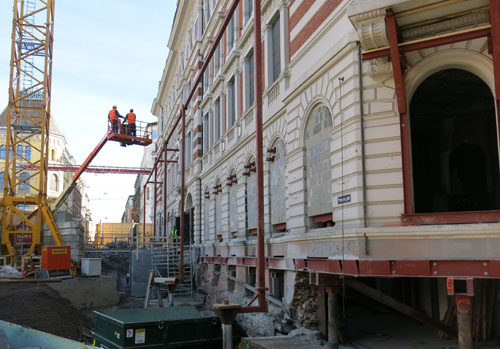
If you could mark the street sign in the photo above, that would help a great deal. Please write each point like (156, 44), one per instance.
(344, 199)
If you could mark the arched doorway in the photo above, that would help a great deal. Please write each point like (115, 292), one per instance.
(454, 144)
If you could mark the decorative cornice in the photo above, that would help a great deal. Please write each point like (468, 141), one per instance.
(461, 22)
(370, 27)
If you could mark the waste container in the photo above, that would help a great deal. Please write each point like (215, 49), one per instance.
(171, 327)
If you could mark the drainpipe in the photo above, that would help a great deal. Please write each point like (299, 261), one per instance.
(261, 258)
(362, 126)
(183, 173)
(165, 163)
(144, 213)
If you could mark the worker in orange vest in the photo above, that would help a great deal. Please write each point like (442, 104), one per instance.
(130, 118)
(113, 117)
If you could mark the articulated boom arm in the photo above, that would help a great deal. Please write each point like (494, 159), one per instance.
(142, 137)
(71, 185)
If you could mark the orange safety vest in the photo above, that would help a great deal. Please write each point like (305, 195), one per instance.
(131, 118)
(112, 115)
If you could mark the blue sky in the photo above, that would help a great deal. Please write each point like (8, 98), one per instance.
(105, 52)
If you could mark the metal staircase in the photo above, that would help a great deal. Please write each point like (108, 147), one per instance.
(165, 259)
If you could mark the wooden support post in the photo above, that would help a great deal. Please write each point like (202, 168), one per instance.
(464, 321)
(333, 319)
(397, 305)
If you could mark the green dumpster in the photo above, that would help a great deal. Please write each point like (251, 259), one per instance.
(171, 327)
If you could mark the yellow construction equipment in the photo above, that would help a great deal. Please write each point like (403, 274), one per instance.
(24, 206)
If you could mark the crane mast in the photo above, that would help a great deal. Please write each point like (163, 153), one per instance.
(24, 206)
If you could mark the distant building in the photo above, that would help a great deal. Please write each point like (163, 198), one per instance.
(127, 216)
(58, 154)
(134, 207)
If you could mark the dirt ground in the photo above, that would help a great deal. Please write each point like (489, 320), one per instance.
(39, 307)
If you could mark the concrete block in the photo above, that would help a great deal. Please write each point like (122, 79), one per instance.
(85, 293)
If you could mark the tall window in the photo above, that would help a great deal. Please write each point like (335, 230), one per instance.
(206, 16)
(275, 52)
(247, 10)
(231, 110)
(217, 58)
(318, 162)
(2, 175)
(249, 81)
(53, 155)
(20, 151)
(27, 153)
(189, 151)
(230, 35)
(2, 152)
(54, 183)
(24, 185)
(217, 120)
(206, 133)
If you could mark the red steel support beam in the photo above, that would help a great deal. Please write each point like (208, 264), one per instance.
(91, 156)
(261, 258)
(495, 43)
(400, 83)
(421, 44)
(486, 269)
(153, 197)
(183, 175)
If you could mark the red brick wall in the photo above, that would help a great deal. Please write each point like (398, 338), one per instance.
(314, 23)
(299, 13)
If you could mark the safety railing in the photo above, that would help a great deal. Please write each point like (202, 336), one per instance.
(139, 130)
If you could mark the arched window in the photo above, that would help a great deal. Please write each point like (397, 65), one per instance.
(251, 198)
(24, 185)
(2, 151)
(318, 164)
(454, 149)
(206, 215)
(28, 153)
(218, 210)
(233, 203)
(54, 183)
(277, 186)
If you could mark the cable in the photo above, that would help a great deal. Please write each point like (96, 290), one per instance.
(341, 81)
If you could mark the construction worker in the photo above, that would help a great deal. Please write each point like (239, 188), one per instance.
(113, 117)
(130, 119)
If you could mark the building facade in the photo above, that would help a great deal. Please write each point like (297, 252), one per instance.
(56, 179)
(380, 128)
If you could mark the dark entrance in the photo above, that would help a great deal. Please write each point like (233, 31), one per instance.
(454, 144)
(188, 226)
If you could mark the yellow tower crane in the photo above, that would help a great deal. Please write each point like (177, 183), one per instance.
(24, 205)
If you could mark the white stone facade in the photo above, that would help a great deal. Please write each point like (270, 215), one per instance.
(318, 85)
